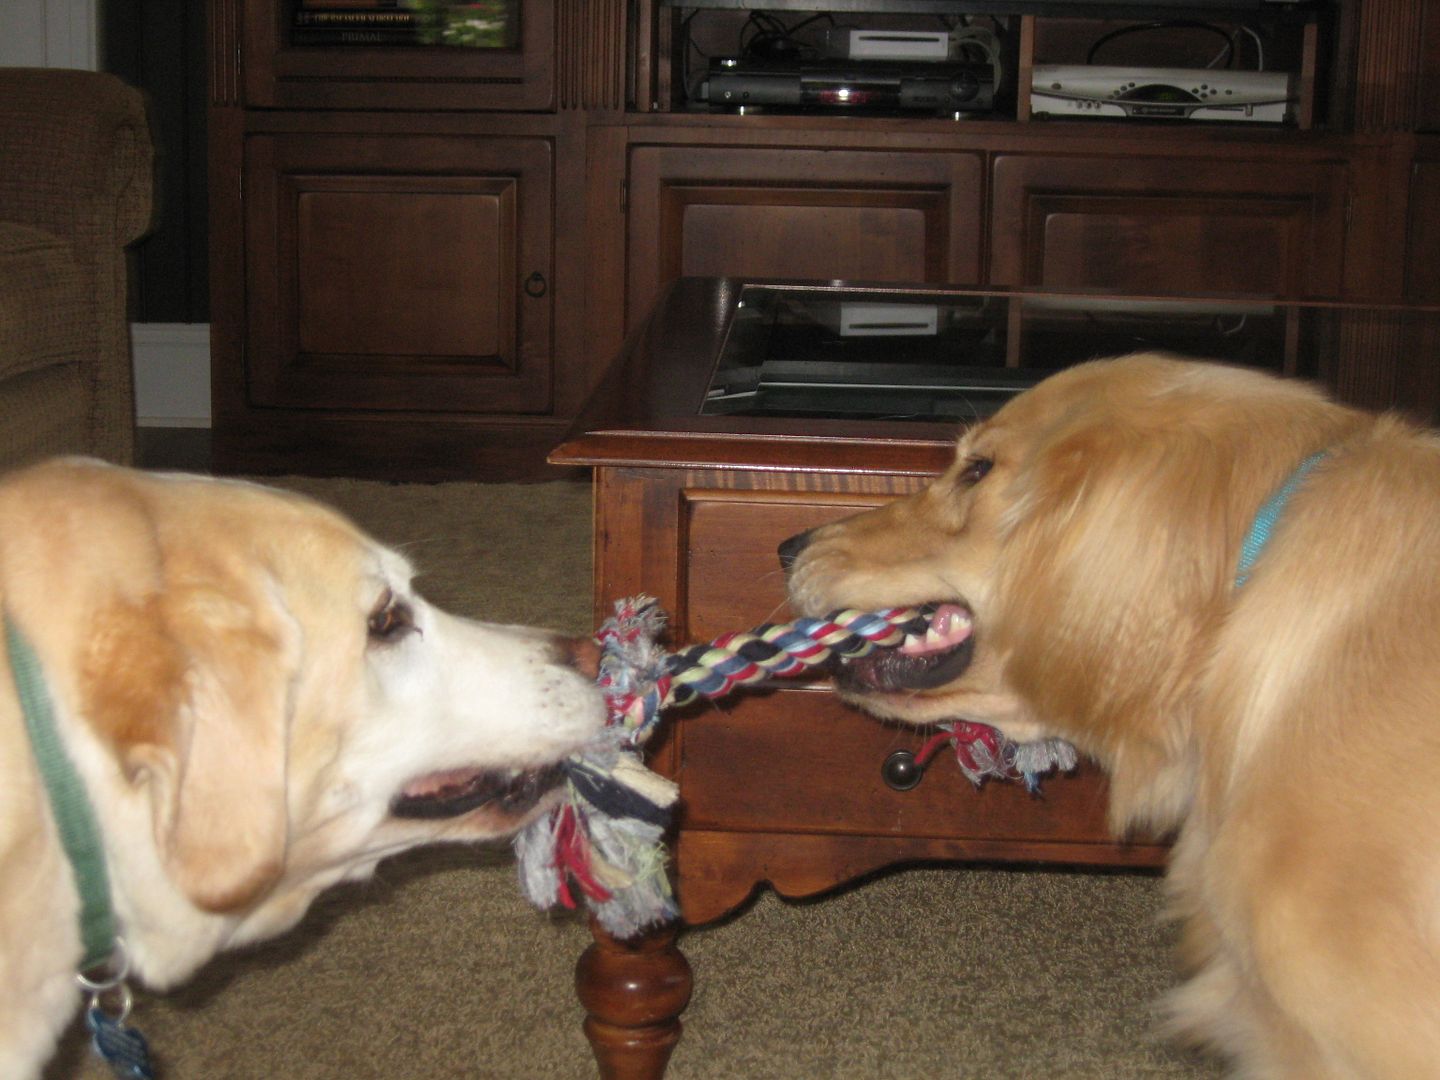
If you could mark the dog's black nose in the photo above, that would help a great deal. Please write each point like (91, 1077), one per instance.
(789, 550)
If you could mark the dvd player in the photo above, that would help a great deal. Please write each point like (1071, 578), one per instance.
(841, 85)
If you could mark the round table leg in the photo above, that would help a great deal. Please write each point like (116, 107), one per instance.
(633, 992)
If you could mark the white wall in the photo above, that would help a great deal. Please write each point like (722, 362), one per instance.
(49, 33)
(172, 360)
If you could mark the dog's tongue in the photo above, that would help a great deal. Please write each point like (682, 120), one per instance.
(949, 627)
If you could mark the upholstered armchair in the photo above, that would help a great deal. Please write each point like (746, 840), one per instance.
(76, 187)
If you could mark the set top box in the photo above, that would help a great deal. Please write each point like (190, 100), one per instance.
(1092, 90)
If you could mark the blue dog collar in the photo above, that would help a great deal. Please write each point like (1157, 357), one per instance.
(1264, 523)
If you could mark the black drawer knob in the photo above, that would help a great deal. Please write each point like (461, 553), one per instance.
(901, 771)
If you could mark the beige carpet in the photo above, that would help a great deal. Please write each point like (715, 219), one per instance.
(438, 968)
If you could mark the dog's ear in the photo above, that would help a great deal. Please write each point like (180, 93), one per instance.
(1113, 571)
(192, 689)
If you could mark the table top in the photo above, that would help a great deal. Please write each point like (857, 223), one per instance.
(854, 377)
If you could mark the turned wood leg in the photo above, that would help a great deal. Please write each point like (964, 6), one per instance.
(633, 993)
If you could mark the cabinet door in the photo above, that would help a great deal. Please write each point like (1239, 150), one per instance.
(797, 213)
(1169, 225)
(398, 272)
(281, 71)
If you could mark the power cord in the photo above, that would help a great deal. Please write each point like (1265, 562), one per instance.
(765, 37)
(1227, 54)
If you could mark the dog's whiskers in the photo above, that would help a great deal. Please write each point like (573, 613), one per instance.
(776, 610)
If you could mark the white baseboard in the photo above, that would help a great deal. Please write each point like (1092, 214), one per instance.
(172, 374)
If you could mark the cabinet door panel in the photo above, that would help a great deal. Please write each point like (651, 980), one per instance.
(406, 290)
(1261, 228)
(433, 261)
(793, 213)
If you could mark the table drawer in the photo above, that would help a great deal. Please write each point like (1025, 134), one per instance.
(732, 574)
(799, 755)
(803, 758)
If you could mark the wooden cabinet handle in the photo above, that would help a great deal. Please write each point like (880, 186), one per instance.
(536, 286)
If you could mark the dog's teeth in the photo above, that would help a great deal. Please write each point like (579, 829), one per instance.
(949, 627)
(951, 624)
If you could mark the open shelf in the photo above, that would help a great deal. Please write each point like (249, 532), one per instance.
(1249, 63)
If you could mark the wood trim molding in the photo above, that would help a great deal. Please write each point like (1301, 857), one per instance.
(224, 52)
(1387, 65)
(590, 41)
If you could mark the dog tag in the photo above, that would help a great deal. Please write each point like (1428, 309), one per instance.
(123, 1048)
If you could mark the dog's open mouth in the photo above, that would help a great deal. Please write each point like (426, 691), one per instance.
(940, 657)
(448, 794)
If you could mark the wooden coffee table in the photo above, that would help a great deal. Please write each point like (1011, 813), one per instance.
(743, 413)
(781, 788)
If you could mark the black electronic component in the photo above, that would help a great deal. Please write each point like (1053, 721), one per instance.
(887, 85)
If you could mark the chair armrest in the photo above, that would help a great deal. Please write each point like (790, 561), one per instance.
(78, 156)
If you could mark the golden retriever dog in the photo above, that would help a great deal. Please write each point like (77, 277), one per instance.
(257, 705)
(1085, 547)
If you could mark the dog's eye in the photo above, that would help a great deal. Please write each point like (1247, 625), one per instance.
(391, 619)
(975, 470)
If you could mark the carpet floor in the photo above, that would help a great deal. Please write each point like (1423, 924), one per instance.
(438, 968)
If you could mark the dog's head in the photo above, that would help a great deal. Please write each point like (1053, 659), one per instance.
(1082, 546)
(259, 700)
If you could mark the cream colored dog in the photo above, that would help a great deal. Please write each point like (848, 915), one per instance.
(1085, 547)
(258, 706)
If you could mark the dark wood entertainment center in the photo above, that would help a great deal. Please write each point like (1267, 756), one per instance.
(422, 257)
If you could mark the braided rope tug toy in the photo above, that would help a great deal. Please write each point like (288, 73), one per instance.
(606, 836)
